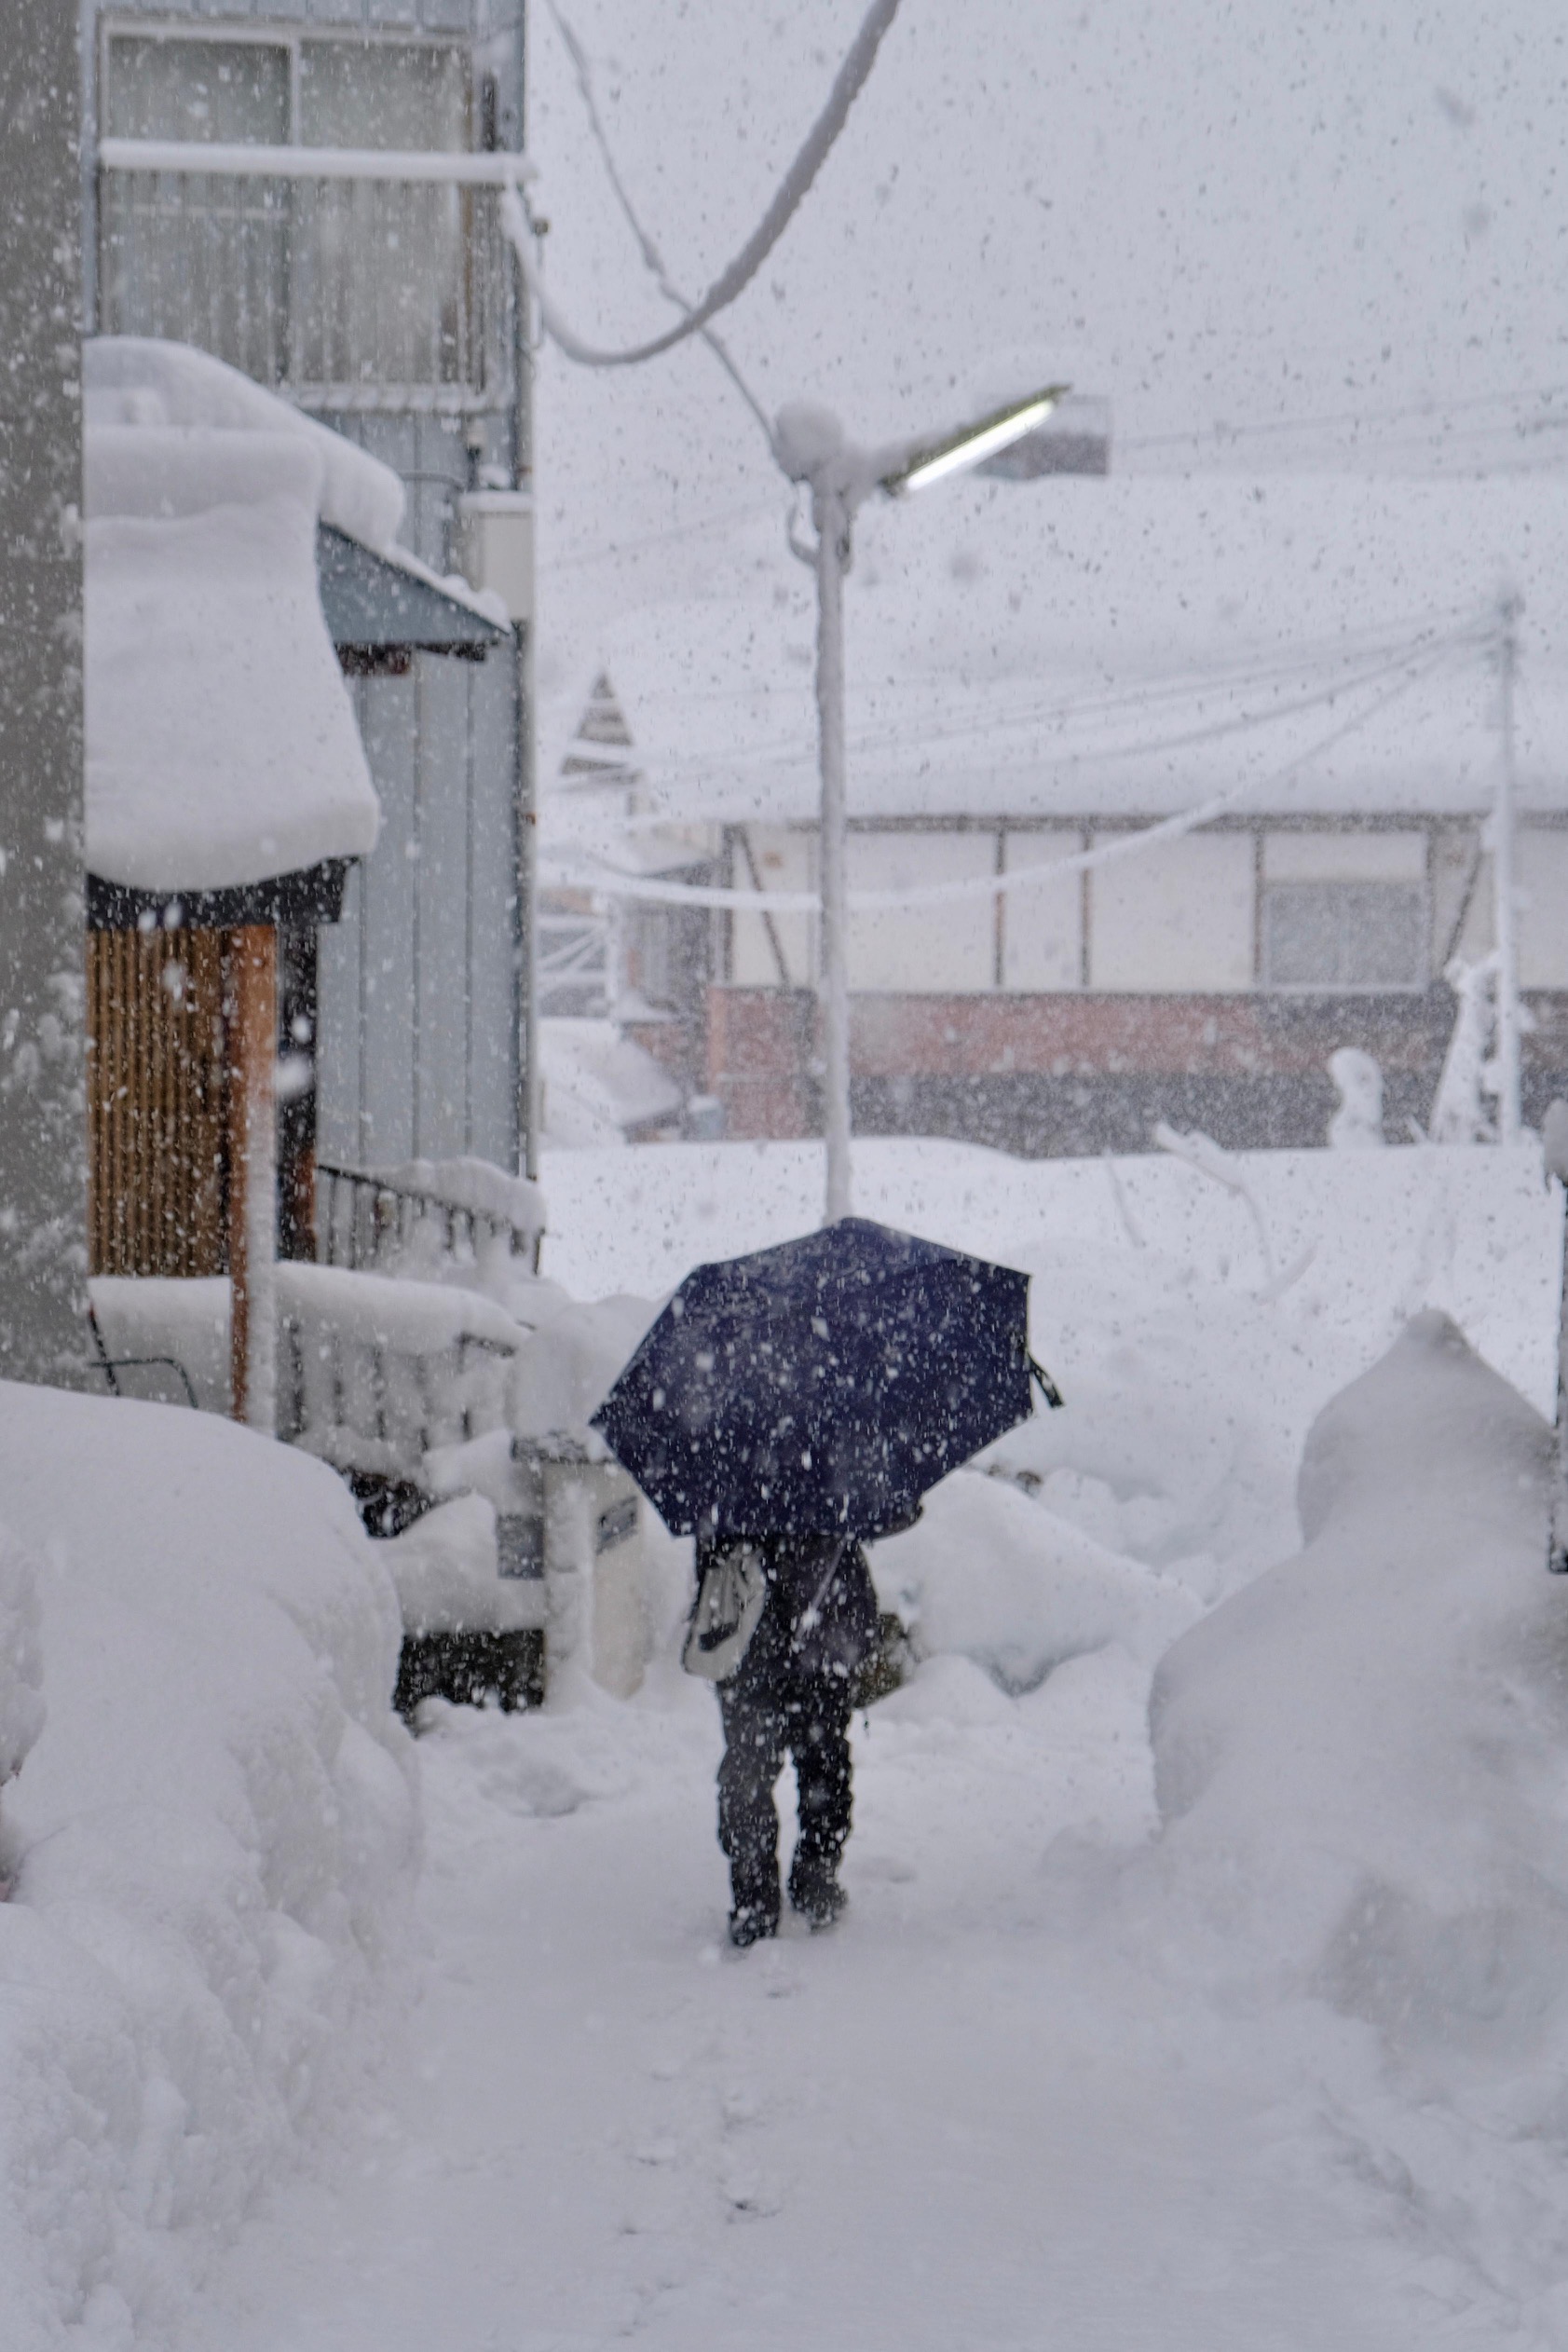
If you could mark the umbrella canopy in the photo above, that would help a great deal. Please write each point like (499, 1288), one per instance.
(822, 1386)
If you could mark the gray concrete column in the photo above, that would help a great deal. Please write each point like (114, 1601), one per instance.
(42, 1137)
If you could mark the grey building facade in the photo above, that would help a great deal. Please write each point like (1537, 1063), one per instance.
(386, 307)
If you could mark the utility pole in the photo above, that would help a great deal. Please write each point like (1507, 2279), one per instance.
(830, 519)
(43, 1123)
(809, 447)
(1509, 1106)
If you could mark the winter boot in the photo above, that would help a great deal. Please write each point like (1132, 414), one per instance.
(814, 1891)
(753, 1904)
(752, 1922)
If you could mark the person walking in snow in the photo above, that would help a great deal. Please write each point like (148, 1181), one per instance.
(783, 1626)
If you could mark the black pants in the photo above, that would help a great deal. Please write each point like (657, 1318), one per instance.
(809, 1720)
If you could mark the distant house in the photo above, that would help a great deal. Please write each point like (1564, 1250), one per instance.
(238, 560)
(1037, 676)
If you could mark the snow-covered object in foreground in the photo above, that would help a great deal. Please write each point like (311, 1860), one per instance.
(991, 1575)
(21, 1672)
(1359, 1756)
(217, 1831)
(221, 742)
(447, 1574)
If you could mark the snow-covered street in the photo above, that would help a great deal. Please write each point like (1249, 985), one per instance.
(1063, 2074)
(934, 2125)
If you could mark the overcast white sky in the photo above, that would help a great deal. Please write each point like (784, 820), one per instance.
(1214, 215)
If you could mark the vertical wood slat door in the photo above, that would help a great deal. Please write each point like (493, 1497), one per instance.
(156, 1102)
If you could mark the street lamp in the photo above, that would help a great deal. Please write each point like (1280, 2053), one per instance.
(810, 446)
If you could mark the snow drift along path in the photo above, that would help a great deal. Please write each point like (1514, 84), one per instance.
(215, 1841)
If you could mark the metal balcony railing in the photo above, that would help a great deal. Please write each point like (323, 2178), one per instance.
(345, 292)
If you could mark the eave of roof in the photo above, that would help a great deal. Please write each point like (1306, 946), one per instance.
(373, 603)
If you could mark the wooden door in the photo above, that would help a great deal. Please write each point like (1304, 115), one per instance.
(156, 1126)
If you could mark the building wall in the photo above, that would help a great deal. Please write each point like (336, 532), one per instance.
(419, 1036)
(1136, 991)
(418, 1046)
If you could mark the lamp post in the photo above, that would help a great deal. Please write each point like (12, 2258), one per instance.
(810, 446)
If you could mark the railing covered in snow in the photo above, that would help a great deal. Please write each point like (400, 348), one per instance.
(384, 1218)
(374, 1372)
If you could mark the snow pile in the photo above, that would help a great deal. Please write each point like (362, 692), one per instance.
(989, 1575)
(597, 1084)
(216, 1834)
(566, 1365)
(1360, 1758)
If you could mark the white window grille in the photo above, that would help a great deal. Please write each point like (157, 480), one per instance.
(344, 290)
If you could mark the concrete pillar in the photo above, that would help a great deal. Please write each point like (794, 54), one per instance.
(43, 1131)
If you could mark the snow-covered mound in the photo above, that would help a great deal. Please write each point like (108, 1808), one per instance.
(216, 1836)
(1362, 1758)
(989, 1575)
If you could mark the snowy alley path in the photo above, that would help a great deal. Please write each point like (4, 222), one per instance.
(944, 2125)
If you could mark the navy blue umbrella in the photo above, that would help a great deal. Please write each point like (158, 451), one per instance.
(822, 1386)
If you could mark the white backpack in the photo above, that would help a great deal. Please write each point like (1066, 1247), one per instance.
(730, 1600)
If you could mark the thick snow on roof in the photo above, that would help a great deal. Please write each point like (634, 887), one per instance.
(133, 379)
(221, 742)
(1122, 648)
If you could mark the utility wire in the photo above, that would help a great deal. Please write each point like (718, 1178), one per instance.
(873, 739)
(653, 259)
(585, 870)
(1220, 435)
(734, 281)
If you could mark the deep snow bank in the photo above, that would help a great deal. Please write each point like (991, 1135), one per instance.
(1360, 1758)
(216, 1833)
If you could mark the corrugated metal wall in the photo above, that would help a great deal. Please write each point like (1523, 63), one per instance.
(419, 1054)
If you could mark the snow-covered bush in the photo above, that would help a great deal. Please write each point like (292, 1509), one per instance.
(216, 1834)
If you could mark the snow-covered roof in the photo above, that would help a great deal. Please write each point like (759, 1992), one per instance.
(137, 380)
(221, 748)
(1121, 648)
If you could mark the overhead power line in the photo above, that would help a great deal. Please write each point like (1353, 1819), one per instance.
(653, 260)
(1147, 697)
(792, 189)
(582, 869)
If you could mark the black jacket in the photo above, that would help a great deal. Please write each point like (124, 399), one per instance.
(819, 1621)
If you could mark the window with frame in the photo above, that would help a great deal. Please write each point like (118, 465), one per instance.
(1345, 936)
(308, 283)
